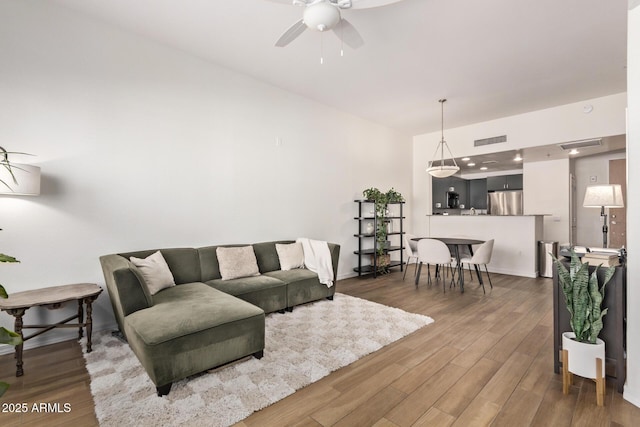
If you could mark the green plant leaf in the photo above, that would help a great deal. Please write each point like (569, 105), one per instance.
(7, 258)
(581, 301)
(595, 312)
(9, 337)
(3, 292)
(597, 294)
(564, 278)
(3, 388)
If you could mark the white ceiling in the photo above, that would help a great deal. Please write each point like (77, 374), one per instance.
(490, 58)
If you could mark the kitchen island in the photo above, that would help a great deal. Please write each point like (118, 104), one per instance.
(515, 249)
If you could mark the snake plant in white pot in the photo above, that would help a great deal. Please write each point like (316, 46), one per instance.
(583, 351)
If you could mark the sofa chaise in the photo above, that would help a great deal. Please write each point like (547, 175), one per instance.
(205, 320)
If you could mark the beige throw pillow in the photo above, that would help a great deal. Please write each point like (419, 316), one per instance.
(155, 272)
(291, 255)
(237, 262)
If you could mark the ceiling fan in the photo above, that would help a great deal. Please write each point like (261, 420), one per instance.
(323, 15)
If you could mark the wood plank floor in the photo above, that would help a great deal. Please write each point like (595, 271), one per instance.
(487, 360)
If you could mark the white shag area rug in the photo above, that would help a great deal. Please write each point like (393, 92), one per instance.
(301, 348)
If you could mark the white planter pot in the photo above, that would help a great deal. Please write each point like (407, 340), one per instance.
(582, 356)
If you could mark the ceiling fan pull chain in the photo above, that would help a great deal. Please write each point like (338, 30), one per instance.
(342, 40)
(321, 49)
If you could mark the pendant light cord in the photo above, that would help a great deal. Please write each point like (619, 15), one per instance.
(442, 171)
(442, 101)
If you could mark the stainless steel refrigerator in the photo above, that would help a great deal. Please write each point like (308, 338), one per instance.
(505, 203)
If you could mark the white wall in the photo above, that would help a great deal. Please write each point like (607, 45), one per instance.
(553, 125)
(143, 146)
(547, 193)
(515, 238)
(632, 388)
(588, 220)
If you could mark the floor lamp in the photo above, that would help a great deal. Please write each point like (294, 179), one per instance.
(18, 179)
(603, 196)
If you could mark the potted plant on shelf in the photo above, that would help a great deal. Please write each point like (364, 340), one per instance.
(583, 353)
(381, 201)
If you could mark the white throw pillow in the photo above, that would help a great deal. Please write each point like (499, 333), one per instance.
(237, 262)
(155, 272)
(291, 255)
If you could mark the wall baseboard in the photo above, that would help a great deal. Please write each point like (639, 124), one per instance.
(631, 397)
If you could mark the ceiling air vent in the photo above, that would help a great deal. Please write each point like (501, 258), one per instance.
(581, 144)
(488, 141)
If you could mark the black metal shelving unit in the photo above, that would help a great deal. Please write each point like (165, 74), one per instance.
(366, 250)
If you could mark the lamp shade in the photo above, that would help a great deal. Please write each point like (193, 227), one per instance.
(608, 196)
(27, 177)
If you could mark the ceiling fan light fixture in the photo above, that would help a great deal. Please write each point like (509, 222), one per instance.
(438, 168)
(321, 16)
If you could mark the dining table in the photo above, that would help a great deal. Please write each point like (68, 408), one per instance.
(454, 244)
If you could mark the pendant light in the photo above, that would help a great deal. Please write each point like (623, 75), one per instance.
(437, 168)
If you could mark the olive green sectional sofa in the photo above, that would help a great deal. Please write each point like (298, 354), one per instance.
(204, 321)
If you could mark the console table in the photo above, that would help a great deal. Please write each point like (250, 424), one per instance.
(614, 323)
(54, 297)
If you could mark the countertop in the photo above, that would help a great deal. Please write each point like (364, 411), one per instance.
(485, 215)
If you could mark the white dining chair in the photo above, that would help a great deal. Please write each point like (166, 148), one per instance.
(482, 256)
(411, 251)
(463, 252)
(432, 251)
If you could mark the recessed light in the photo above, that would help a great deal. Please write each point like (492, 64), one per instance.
(518, 158)
(471, 164)
(574, 151)
(465, 159)
(484, 168)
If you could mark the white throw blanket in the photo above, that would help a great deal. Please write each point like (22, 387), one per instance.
(317, 258)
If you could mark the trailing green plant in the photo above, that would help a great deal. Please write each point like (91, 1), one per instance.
(381, 201)
(7, 336)
(583, 297)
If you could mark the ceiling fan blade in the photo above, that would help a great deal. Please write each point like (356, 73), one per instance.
(291, 34)
(294, 2)
(348, 34)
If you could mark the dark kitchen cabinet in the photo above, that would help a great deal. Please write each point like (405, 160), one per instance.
(504, 182)
(514, 182)
(439, 192)
(462, 188)
(440, 186)
(478, 193)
